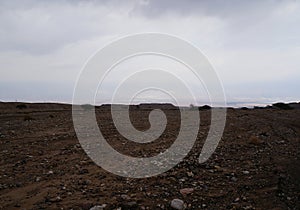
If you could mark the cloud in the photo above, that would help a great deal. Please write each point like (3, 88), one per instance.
(249, 42)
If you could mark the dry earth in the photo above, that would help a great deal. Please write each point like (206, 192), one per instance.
(42, 165)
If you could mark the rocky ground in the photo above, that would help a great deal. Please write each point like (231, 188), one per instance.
(42, 165)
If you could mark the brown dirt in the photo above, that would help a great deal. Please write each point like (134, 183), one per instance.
(42, 165)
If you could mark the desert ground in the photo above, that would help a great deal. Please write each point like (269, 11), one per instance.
(42, 164)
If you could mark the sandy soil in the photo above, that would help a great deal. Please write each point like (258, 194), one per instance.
(42, 165)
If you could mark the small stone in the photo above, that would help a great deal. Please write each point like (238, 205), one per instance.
(83, 171)
(190, 174)
(255, 140)
(99, 207)
(177, 204)
(234, 179)
(246, 172)
(56, 199)
(37, 179)
(186, 191)
(217, 167)
(50, 172)
(125, 197)
(237, 200)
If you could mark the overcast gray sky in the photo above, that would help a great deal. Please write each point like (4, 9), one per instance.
(253, 45)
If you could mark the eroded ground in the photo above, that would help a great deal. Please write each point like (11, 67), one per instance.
(42, 165)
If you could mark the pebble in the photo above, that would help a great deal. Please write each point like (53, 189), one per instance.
(98, 207)
(246, 172)
(177, 204)
(255, 140)
(56, 199)
(190, 174)
(186, 191)
(237, 200)
(125, 197)
(233, 179)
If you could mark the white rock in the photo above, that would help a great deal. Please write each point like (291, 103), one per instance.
(177, 204)
(246, 172)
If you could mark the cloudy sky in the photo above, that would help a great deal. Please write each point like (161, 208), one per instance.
(253, 45)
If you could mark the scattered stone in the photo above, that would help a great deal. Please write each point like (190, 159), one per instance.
(99, 207)
(255, 140)
(190, 174)
(186, 191)
(56, 199)
(219, 169)
(246, 172)
(83, 171)
(177, 204)
(234, 179)
(125, 197)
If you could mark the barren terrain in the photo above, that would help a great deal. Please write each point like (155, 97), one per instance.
(42, 165)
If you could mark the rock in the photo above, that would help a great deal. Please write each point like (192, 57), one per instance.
(246, 172)
(182, 180)
(186, 191)
(177, 204)
(234, 179)
(255, 140)
(218, 168)
(56, 199)
(83, 171)
(190, 174)
(99, 207)
(125, 197)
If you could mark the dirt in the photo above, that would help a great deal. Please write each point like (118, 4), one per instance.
(42, 164)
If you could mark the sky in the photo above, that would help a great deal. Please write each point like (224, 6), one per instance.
(254, 46)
